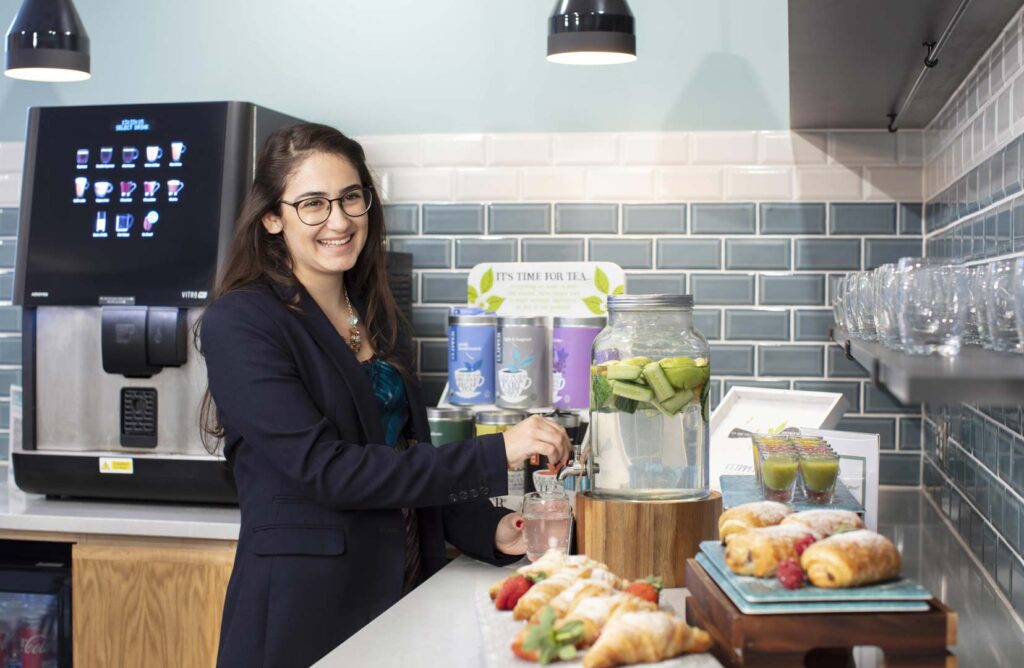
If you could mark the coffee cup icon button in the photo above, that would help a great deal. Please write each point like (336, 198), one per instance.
(127, 188)
(101, 222)
(106, 154)
(151, 219)
(174, 187)
(123, 222)
(81, 185)
(177, 150)
(82, 156)
(129, 154)
(149, 188)
(103, 188)
(154, 153)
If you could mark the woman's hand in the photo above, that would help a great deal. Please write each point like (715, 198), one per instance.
(537, 436)
(508, 537)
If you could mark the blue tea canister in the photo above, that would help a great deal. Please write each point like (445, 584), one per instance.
(471, 333)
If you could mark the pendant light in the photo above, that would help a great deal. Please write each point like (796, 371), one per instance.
(591, 32)
(47, 42)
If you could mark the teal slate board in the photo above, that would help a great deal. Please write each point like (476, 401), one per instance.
(740, 489)
(801, 608)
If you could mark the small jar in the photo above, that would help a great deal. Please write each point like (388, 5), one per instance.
(449, 424)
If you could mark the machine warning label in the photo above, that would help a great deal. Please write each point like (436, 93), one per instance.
(117, 465)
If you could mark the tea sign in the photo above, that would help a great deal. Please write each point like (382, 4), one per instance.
(568, 289)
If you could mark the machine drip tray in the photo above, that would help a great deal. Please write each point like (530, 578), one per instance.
(138, 417)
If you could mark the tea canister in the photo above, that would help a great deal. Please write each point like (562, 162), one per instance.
(521, 364)
(471, 356)
(449, 424)
(571, 342)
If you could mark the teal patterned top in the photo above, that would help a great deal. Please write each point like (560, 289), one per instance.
(389, 390)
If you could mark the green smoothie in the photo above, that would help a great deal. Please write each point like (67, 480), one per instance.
(778, 476)
(819, 474)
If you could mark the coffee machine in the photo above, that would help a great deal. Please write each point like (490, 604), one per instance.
(127, 213)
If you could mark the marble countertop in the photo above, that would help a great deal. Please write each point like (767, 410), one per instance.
(33, 512)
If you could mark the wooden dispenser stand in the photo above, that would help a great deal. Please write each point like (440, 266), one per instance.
(641, 538)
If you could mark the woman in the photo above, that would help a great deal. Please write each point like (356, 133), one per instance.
(318, 408)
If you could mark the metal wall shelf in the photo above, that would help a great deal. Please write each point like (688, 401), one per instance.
(975, 376)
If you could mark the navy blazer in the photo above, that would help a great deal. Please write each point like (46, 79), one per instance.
(321, 550)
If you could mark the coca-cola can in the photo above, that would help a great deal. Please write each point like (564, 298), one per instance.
(32, 641)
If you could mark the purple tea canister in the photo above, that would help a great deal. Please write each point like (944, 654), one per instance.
(471, 356)
(572, 340)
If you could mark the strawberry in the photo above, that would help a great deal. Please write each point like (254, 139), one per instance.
(511, 590)
(790, 575)
(803, 544)
(648, 589)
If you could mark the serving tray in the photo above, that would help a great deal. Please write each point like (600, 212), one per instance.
(740, 489)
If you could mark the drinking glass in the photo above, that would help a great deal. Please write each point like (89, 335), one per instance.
(778, 473)
(865, 306)
(976, 317)
(932, 303)
(819, 471)
(849, 285)
(838, 308)
(999, 300)
(547, 523)
(1018, 294)
(885, 293)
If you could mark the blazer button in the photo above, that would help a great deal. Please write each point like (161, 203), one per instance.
(473, 493)
(485, 491)
(453, 498)
(463, 495)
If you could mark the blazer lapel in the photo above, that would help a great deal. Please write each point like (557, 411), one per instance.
(336, 349)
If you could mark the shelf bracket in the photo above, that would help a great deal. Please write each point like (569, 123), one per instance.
(875, 372)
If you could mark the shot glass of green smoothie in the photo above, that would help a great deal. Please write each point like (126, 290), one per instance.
(778, 473)
(767, 443)
(818, 473)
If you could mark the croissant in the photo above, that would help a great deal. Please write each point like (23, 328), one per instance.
(758, 552)
(548, 563)
(568, 599)
(596, 613)
(638, 637)
(751, 516)
(851, 559)
(825, 522)
(541, 593)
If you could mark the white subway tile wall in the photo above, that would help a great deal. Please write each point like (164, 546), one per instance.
(974, 455)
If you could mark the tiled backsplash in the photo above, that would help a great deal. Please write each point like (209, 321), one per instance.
(757, 225)
(974, 455)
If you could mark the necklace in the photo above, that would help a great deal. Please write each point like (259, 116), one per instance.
(355, 338)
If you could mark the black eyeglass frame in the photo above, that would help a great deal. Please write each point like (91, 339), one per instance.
(330, 204)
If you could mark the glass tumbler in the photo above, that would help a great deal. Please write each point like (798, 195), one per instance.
(932, 304)
(849, 287)
(886, 324)
(778, 474)
(976, 318)
(865, 309)
(838, 308)
(999, 300)
(547, 523)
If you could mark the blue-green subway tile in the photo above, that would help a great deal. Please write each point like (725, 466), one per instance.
(661, 283)
(9, 377)
(877, 400)
(716, 393)
(709, 322)
(722, 289)
(793, 289)
(654, 218)
(752, 325)
(723, 218)
(757, 254)
(402, 218)
(434, 356)
(586, 218)
(787, 218)
(453, 219)
(840, 367)
(8, 222)
(10, 350)
(10, 318)
(833, 283)
(552, 250)
(1003, 566)
(430, 321)
(7, 286)
(883, 251)
(689, 254)
(1011, 522)
(910, 433)
(431, 388)
(471, 252)
(899, 469)
(1004, 455)
(627, 253)
(812, 325)
(426, 253)
(764, 384)
(444, 288)
(827, 253)
(910, 218)
(849, 390)
(519, 218)
(8, 252)
(732, 360)
(863, 218)
(5, 415)
(884, 427)
(790, 361)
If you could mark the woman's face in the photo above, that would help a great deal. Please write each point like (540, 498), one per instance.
(332, 247)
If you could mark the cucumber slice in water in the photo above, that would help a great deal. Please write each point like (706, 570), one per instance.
(624, 372)
(625, 405)
(675, 403)
(663, 389)
(621, 388)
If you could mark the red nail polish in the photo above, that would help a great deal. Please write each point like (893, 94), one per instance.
(519, 524)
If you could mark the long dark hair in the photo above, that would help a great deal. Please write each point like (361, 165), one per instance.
(257, 255)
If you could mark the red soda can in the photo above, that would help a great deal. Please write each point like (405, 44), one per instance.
(32, 641)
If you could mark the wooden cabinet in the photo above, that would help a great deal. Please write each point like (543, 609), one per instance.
(150, 603)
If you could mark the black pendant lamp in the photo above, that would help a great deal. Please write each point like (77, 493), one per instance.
(47, 42)
(591, 32)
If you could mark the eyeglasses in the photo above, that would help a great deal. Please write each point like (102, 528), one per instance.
(316, 210)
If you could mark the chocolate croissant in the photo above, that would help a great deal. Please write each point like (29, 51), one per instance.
(751, 516)
(851, 559)
(825, 522)
(644, 637)
(758, 552)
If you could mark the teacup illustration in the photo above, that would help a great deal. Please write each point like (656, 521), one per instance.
(154, 153)
(557, 385)
(513, 383)
(127, 188)
(174, 187)
(468, 383)
(150, 188)
(106, 154)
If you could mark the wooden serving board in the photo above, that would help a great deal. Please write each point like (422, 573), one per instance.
(908, 639)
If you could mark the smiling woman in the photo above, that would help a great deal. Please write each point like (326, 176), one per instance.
(345, 504)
